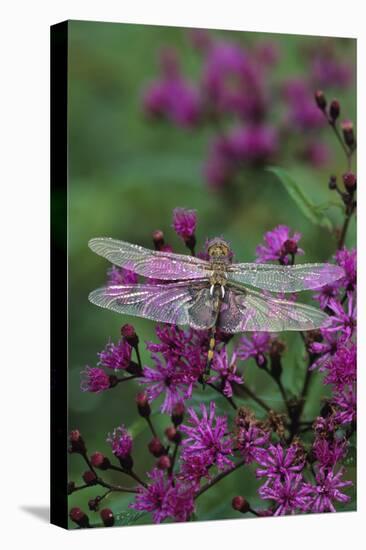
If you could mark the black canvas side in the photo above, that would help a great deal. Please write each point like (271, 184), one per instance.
(59, 262)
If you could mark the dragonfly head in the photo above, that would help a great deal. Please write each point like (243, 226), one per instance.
(219, 249)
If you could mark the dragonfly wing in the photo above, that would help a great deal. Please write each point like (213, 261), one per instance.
(176, 303)
(281, 278)
(251, 311)
(150, 263)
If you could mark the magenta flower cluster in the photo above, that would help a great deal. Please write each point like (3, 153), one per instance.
(237, 94)
(203, 442)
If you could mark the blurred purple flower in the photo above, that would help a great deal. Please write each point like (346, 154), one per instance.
(172, 96)
(207, 437)
(290, 494)
(184, 222)
(279, 245)
(120, 441)
(327, 71)
(121, 276)
(316, 153)
(267, 53)
(233, 82)
(276, 462)
(303, 112)
(163, 499)
(226, 369)
(327, 490)
(253, 144)
(94, 379)
(116, 356)
(256, 346)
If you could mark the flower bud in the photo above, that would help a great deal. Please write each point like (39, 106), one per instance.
(93, 503)
(240, 504)
(178, 414)
(126, 462)
(89, 477)
(320, 100)
(143, 404)
(158, 239)
(155, 447)
(290, 247)
(349, 181)
(77, 444)
(348, 133)
(164, 462)
(129, 334)
(100, 461)
(334, 110)
(107, 517)
(79, 517)
(332, 184)
(173, 435)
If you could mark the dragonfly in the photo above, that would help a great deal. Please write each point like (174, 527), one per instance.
(212, 294)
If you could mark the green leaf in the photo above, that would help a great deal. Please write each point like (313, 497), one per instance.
(312, 212)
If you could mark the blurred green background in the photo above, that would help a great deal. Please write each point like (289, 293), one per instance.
(126, 174)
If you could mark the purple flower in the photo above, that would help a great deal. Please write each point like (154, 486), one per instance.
(163, 499)
(279, 246)
(342, 367)
(341, 320)
(345, 403)
(166, 379)
(257, 346)
(94, 379)
(329, 451)
(327, 490)
(116, 356)
(226, 370)
(348, 260)
(193, 468)
(121, 276)
(303, 113)
(233, 83)
(171, 96)
(325, 349)
(187, 348)
(316, 153)
(327, 71)
(327, 293)
(254, 144)
(250, 440)
(276, 462)
(207, 437)
(290, 494)
(184, 222)
(120, 441)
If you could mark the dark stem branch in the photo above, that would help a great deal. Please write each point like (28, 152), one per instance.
(218, 478)
(229, 399)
